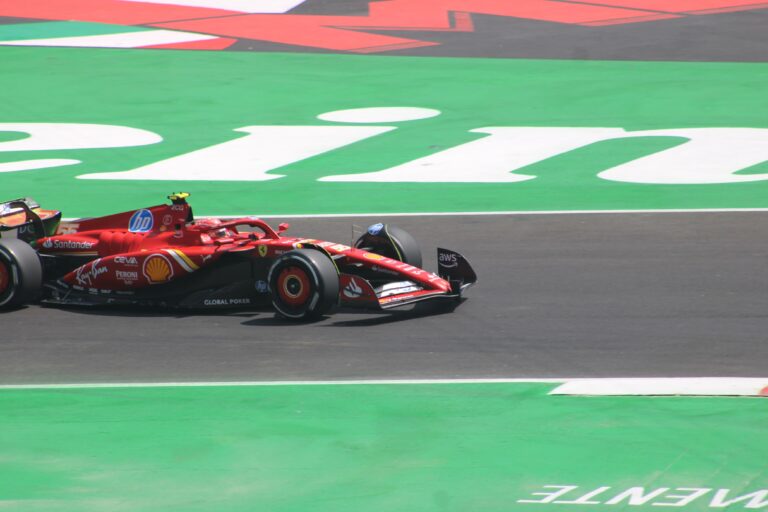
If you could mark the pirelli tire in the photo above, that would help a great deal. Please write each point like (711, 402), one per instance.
(21, 273)
(392, 242)
(304, 284)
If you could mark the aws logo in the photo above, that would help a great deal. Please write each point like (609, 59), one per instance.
(499, 154)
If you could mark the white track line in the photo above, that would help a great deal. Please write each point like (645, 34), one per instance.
(276, 383)
(446, 214)
(711, 386)
(672, 386)
(120, 40)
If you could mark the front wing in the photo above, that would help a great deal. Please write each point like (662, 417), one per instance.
(356, 291)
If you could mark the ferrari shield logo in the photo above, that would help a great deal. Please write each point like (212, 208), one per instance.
(263, 250)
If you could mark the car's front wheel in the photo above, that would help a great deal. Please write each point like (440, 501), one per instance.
(304, 284)
(392, 242)
(21, 273)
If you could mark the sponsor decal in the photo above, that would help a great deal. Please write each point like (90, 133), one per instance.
(26, 228)
(167, 220)
(339, 247)
(353, 290)
(130, 261)
(406, 296)
(177, 208)
(410, 269)
(373, 256)
(375, 229)
(87, 273)
(141, 222)
(639, 496)
(262, 287)
(127, 276)
(263, 249)
(448, 260)
(157, 269)
(68, 245)
(383, 270)
(227, 302)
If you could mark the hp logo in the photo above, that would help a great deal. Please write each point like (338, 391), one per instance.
(141, 222)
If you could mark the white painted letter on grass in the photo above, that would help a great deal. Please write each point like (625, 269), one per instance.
(492, 159)
(711, 155)
(681, 500)
(551, 496)
(53, 136)
(754, 500)
(636, 496)
(249, 158)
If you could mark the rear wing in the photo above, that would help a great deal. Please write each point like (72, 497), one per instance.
(24, 219)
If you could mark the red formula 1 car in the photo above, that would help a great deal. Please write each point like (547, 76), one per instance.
(162, 257)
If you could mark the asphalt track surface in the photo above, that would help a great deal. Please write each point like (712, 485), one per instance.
(724, 37)
(641, 294)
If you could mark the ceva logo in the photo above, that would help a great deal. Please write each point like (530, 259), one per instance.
(500, 155)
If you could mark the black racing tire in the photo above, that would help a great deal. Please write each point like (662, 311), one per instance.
(21, 273)
(304, 284)
(407, 248)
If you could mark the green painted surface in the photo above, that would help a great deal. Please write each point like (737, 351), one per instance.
(196, 99)
(45, 30)
(375, 448)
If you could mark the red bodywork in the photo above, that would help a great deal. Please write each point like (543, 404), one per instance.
(144, 248)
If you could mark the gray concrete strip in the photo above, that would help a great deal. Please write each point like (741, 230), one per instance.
(628, 295)
(726, 37)
(723, 37)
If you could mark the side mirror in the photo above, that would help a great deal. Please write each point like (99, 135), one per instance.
(283, 226)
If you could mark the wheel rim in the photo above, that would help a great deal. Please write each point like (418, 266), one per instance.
(293, 286)
(5, 277)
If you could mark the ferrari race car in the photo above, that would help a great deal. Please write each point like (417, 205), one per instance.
(161, 256)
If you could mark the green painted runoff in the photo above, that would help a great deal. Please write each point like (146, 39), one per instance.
(197, 99)
(374, 448)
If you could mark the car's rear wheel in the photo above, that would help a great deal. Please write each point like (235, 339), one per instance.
(21, 274)
(392, 242)
(304, 284)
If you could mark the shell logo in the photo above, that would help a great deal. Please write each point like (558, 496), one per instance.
(157, 269)
(373, 256)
